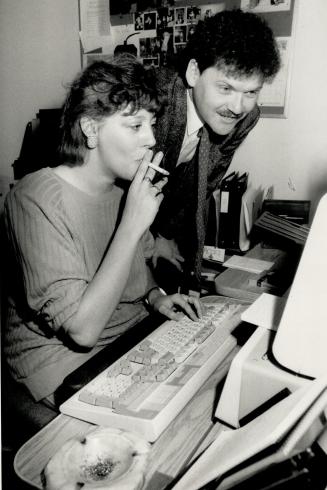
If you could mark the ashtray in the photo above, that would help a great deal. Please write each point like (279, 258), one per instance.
(102, 459)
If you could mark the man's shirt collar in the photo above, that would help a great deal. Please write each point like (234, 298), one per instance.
(194, 123)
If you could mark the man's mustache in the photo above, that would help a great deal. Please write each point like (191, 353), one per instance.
(230, 114)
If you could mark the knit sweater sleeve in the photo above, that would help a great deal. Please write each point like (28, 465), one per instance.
(48, 260)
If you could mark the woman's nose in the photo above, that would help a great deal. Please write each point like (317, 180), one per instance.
(149, 138)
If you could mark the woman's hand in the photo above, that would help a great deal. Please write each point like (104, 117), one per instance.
(167, 249)
(174, 306)
(144, 198)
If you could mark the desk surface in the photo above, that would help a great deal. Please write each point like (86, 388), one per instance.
(185, 438)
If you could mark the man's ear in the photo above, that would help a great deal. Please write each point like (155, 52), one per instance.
(88, 126)
(192, 73)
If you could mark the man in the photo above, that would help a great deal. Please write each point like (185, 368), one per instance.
(212, 106)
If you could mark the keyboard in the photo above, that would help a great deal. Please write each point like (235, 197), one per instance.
(147, 387)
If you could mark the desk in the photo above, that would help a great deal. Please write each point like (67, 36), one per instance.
(190, 432)
(185, 438)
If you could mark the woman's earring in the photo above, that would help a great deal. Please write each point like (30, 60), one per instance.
(92, 141)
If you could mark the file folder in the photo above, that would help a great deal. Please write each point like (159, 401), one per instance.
(275, 226)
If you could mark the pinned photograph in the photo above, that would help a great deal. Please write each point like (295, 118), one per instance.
(138, 21)
(167, 45)
(179, 34)
(150, 20)
(162, 18)
(180, 15)
(150, 47)
(192, 14)
(171, 17)
(190, 30)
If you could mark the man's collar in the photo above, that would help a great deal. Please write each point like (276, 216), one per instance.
(194, 123)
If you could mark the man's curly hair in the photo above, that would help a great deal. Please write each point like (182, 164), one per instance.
(239, 42)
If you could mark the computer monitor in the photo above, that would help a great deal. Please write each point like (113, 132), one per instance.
(301, 341)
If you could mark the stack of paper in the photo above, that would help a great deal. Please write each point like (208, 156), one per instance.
(248, 264)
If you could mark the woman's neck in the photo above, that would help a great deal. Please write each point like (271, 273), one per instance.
(84, 178)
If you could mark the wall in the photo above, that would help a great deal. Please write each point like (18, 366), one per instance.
(291, 153)
(40, 52)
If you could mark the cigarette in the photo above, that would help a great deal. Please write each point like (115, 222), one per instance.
(158, 169)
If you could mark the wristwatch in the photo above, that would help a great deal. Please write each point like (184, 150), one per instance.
(148, 294)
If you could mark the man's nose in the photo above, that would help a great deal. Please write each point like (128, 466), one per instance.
(236, 103)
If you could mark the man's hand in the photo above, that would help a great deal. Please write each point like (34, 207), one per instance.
(167, 249)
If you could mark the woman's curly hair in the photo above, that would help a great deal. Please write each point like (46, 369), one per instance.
(240, 42)
(101, 90)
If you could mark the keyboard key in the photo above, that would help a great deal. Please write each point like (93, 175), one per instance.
(184, 353)
(87, 396)
(104, 401)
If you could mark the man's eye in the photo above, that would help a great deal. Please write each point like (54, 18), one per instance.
(252, 94)
(224, 89)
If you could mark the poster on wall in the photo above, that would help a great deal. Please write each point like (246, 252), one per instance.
(274, 95)
(260, 6)
(94, 23)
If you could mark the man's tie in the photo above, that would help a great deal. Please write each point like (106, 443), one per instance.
(203, 160)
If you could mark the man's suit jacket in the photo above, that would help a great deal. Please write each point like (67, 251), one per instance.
(176, 217)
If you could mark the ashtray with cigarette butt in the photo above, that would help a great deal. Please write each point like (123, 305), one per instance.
(103, 459)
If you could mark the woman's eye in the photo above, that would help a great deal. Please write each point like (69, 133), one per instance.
(136, 127)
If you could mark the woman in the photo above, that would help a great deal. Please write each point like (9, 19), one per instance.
(79, 242)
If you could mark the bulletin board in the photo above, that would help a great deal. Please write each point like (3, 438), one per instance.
(281, 16)
(159, 29)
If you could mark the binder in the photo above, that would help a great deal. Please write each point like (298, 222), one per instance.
(232, 189)
(226, 194)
